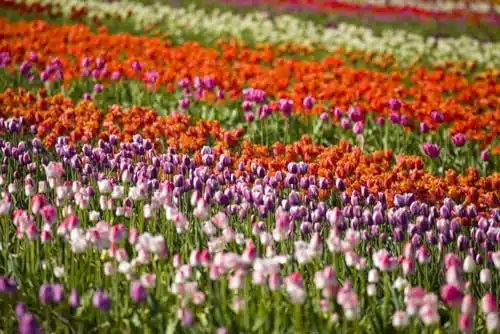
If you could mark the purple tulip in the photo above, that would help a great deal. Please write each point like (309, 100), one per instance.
(28, 324)
(136, 66)
(394, 104)
(380, 121)
(378, 218)
(86, 62)
(286, 107)
(344, 123)
(308, 102)
(444, 212)
(405, 121)
(431, 150)
(100, 62)
(20, 310)
(485, 155)
(44, 76)
(208, 83)
(246, 105)
(355, 114)
(25, 68)
(46, 294)
(399, 200)
(85, 72)
(57, 293)
(151, 77)
(264, 111)
(116, 75)
(7, 285)
(101, 301)
(462, 242)
(249, 116)
(220, 94)
(458, 139)
(98, 88)
(424, 127)
(74, 299)
(95, 73)
(303, 167)
(395, 117)
(337, 112)
(138, 292)
(437, 116)
(184, 103)
(358, 128)
(398, 234)
(339, 184)
(186, 317)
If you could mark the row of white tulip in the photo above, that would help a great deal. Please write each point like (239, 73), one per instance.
(261, 27)
(442, 6)
(435, 6)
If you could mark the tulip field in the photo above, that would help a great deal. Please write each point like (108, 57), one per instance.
(270, 166)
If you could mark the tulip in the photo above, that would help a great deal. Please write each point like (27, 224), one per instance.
(137, 292)
(7, 285)
(485, 276)
(46, 294)
(286, 107)
(492, 322)
(28, 324)
(469, 264)
(424, 127)
(136, 66)
(400, 320)
(358, 128)
(48, 213)
(458, 139)
(184, 103)
(308, 102)
(380, 121)
(452, 295)
(488, 303)
(101, 301)
(485, 155)
(431, 150)
(74, 299)
(437, 116)
(186, 317)
(465, 323)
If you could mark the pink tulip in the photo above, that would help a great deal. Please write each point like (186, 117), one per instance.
(48, 213)
(489, 303)
(465, 323)
(452, 295)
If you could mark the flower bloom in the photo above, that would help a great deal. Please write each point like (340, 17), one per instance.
(458, 139)
(137, 292)
(295, 288)
(452, 295)
(101, 301)
(431, 150)
(400, 319)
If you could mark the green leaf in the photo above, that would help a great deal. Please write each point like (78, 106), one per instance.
(172, 327)
(136, 320)
(203, 319)
(153, 305)
(258, 323)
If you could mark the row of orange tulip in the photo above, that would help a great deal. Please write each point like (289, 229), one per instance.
(471, 107)
(380, 171)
